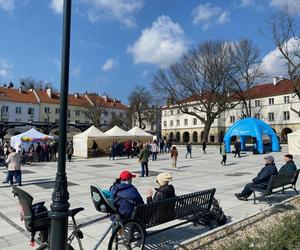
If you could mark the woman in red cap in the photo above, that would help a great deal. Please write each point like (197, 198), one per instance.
(125, 195)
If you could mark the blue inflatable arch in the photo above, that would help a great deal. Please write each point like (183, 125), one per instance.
(251, 127)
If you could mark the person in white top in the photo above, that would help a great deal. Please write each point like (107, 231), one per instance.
(154, 150)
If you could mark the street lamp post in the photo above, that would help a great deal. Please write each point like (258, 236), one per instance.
(60, 196)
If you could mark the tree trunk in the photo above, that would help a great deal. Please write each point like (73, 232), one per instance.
(207, 126)
(140, 120)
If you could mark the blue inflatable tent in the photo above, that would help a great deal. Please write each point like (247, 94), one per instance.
(251, 127)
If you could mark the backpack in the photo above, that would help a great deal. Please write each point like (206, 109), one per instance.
(216, 214)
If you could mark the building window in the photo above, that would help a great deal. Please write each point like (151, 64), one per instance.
(77, 112)
(113, 114)
(18, 120)
(87, 122)
(121, 115)
(177, 123)
(105, 113)
(286, 115)
(165, 123)
(77, 121)
(271, 117)
(186, 122)
(232, 119)
(56, 120)
(47, 110)
(194, 121)
(30, 111)
(171, 123)
(57, 110)
(286, 99)
(46, 119)
(257, 103)
(105, 122)
(69, 113)
(166, 113)
(178, 111)
(271, 101)
(171, 112)
(18, 110)
(5, 109)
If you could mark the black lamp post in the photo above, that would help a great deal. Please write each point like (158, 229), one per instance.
(60, 196)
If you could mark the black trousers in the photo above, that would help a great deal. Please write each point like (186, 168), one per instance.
(247, 189)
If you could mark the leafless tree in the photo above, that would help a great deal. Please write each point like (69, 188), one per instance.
(31, 83)
(200, 84)
(286, 37)
(247, 72)
(140, 101)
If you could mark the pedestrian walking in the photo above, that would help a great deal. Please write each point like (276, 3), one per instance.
(70, 151)
(14, 167)
(154, 150)
(237, 148)
(94, 148)
(204, 145)
(223, 153)
(174, 156)
(188, 150)
(144, 159)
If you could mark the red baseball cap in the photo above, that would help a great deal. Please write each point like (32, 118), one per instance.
(126, 175)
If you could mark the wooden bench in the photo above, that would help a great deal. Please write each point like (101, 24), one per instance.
(278, 183)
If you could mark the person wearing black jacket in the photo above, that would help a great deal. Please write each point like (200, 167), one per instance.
(261, 180)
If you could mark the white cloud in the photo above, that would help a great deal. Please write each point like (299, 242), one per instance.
(120, 10)
(247, 3)
(293, 5)
(108, 65)
(7, 5)
(5, 68)
(145, 73)
(76, 71)
(273, 64)
(161, 44)
(207, 14)
(57, 6)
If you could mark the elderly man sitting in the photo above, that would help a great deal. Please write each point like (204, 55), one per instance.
(261, 180)
(289, 165)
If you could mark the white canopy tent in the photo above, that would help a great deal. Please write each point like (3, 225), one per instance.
(294, 142)
(31, 136)
(83, 142)
(118, 133)
(140, 135)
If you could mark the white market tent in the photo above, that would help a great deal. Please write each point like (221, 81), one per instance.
(83, 142)
(27, 138)
(294, 142)
(118, 133)
(140, 135)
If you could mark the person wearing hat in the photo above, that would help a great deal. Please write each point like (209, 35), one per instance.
(261, 180)
(125, 195)
(164, 191)
(289, 166)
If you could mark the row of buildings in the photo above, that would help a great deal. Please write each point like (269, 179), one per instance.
(271, 102)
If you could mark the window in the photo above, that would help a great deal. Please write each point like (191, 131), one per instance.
(286, 115)
(232, 119)
(171, 123)
(56, 120)
(257, 103)
(166, 113)
(286, 99)
(194, 121)
(171, 112)
(271, 117)
(165, 123)
(5, 109)
(4, 119)
(18, 110)
(30, 111)
(113, 114)
(271, 101)
(77, 121)
(46, 119)
(77, 112)
(69, 113)
(105, 113)
(87, 122)
(18, 120)
(57, 110)
(177, 123)
(121, 115)
(178, 111)
(105, 122)
(47, 110)
(186, 122)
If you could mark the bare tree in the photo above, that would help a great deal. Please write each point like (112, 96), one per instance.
(140, 101)
(200, 84)
(286, 37)
(30, 83)
(94, 109)
(247, 72)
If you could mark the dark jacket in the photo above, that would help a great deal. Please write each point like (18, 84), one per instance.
(265, 174)
(125, 197)
(164, 192)
(288, 167)
(237, 146)
(144, 155)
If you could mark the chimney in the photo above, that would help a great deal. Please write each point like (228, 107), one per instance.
(275, 80)
(76, 95)
(20, 90)
(49, 92)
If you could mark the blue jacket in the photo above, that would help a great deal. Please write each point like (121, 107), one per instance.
(265, 174)
(125, 197)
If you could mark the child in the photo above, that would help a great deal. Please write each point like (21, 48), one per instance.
(174, 155)
(223, 153)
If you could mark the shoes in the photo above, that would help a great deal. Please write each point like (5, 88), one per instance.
(141, 175)
(20, 185)
(237, 195)
(242, 198)
(4, 182)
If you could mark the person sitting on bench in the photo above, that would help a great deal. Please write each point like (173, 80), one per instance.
(261, 180)
(164, 191)
(125, 195)
(289, 166)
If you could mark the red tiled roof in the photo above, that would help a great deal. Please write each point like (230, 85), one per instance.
(14, 95)
(109, 103)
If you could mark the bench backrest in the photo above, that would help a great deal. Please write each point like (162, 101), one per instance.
(155, 213)
(25, 201)
(101, 203)
(276, 181)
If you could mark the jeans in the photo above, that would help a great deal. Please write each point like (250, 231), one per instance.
(144, 166)
(237, 152)
(189, 152)
(17, 174)
(154, 156)
(247, 192)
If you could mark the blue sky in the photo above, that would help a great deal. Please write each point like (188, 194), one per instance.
(117, 44)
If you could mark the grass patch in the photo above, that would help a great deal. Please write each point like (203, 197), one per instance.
(283, 235)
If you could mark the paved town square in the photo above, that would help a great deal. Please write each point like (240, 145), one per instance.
(203, 171)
